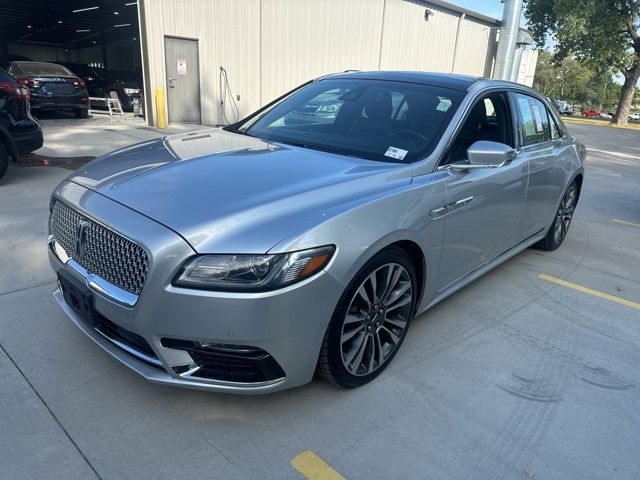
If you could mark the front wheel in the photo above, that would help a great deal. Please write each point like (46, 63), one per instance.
(370, 321)
(560, 226)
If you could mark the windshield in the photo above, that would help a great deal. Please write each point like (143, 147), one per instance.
(373, 119)
(33, 69)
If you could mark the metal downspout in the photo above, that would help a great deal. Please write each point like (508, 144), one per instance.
(508, 37)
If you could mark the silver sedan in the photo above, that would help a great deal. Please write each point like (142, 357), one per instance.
(247, 258)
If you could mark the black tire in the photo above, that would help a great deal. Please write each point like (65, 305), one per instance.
(331, 363)
(562, 221)
(82, 113)
(4, 160)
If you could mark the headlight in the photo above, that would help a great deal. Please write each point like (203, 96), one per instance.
(252, 272)
(131, 91)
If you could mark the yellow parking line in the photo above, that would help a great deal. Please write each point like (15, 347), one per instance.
(625, 222)
(313, 467)
(595, 293)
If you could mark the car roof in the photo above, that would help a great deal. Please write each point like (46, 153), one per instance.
(447, 80)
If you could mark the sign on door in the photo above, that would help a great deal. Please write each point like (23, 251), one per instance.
(182, 66)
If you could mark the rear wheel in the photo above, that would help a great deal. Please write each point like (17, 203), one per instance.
(370, 321)
(4, 160)
(82, 113)
(560, 226)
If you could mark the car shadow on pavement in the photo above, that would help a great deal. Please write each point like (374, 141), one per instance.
(36, 160)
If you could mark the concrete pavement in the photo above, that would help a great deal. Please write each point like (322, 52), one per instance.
(511, 377)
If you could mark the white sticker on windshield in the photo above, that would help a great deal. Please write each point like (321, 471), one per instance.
(444, 105)
(396, 153)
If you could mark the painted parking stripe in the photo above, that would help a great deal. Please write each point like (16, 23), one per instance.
(616, 154)
(595, 293)
(624, 222)
(313, 467)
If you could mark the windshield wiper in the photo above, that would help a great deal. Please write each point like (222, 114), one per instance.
(239, 132)
(320, 148)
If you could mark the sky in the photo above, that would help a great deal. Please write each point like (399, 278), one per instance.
(491, 8)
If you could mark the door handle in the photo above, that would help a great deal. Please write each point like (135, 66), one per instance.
(172, 83)
(463, 201)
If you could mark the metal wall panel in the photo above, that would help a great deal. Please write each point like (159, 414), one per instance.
(271, 46)
(476, 48)
(412, 43)
(527, 69)
(228, 34)
(303, 39)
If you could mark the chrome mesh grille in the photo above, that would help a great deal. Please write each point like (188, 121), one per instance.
(106, 253)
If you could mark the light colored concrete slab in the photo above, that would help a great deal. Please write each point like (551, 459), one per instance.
(32, 443)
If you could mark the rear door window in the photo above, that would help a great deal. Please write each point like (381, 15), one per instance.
(534, 120)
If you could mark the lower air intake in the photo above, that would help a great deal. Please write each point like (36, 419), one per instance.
(230, 363)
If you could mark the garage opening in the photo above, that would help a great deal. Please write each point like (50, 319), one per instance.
(98, 41)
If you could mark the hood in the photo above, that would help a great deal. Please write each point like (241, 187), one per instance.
(230, 193)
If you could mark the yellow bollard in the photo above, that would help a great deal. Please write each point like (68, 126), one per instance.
(161, 108)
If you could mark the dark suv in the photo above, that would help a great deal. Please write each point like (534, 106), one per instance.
(52, 87)
(19, 131)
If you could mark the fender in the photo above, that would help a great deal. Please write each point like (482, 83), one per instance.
(9, 144)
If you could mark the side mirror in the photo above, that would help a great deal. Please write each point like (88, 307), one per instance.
(486, 154)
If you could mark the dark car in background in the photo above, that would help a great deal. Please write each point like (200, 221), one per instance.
(7, 58)
(20, 133)
(52, 87)
(101, 82)
(322, 109)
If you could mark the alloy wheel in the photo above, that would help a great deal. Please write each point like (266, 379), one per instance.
(376, 319)
(565, 214)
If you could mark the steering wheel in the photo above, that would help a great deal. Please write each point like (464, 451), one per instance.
(411, 133)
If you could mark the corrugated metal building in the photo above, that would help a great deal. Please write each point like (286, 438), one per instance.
(267, 47)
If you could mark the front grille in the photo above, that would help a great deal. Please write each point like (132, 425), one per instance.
(104, 252)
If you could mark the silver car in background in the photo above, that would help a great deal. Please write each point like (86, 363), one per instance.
(244, 259)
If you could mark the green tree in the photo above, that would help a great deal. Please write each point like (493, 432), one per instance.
(568, 79)
(602, 33)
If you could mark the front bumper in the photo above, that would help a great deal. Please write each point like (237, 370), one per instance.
(28, 141)
(288, 324)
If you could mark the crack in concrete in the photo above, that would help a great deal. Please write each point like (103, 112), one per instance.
(53, 415)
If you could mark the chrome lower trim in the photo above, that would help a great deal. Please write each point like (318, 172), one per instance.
(132, 351)
(96, 283)
(190, 375)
